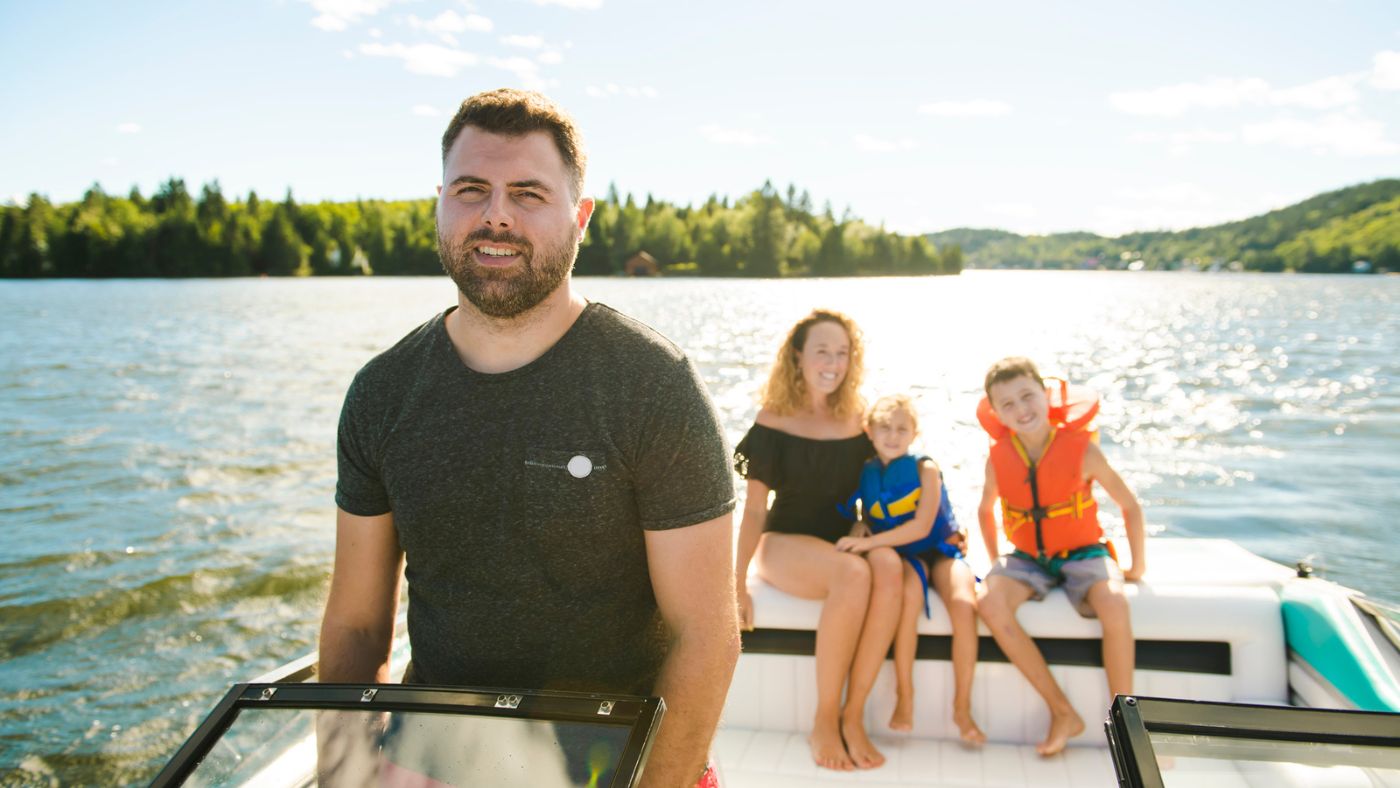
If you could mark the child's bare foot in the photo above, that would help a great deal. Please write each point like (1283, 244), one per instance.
(903, 717)
(1064, 726)
(968, 730)
(858, 744)
(827, 749)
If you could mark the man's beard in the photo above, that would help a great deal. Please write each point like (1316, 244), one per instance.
(506, 293)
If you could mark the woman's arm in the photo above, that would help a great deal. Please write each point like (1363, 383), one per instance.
(750, 529)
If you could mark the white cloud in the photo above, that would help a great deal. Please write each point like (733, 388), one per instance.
(525, 42)
(337, 15)
(1169, 194)
(550, 58)
(1014, 210)
(429, 59)
(1228, 93)
(742, 137)
(577, 5)
(613, 89)
(375, 32)
(1180, 143)
(976, 108)
(1347, 134)
(111, 161)
(1385, 70)
(524, 69)
(1321, 94)
(347, 54)
(871, 144)
(425, 111)
(1173, 100)
(129, 128)
(450, 22)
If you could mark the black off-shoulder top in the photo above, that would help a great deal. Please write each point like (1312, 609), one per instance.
(809, 478)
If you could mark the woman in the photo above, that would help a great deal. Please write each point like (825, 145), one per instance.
(807, 445)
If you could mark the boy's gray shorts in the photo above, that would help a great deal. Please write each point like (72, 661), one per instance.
(1079, 576)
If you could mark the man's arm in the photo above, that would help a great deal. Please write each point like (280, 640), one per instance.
(986, 512)
(357, 632)
(1097, 468)
(692, 575)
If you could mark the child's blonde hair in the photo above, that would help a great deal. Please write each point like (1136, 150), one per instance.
(785, 393)
(887, 406)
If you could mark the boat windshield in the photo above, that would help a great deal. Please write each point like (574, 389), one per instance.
(429, 737)
(353, 748)
(1194, 760)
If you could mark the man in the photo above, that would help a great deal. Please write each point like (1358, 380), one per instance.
(549, 474)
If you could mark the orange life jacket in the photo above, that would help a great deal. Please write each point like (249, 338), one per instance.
(1047, 507)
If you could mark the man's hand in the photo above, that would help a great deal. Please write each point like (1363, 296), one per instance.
(1135, 572)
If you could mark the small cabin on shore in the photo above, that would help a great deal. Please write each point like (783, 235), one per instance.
(641, 264)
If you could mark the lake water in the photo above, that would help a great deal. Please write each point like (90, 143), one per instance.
(167, 461)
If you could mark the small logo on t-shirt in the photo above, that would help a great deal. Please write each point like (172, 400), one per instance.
(579, 466)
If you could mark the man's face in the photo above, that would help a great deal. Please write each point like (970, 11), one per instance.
(508, 224)
(1021, 404)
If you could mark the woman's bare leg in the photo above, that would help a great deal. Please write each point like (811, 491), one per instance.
(955, 584)
(906, 642)
(881, 620)
(811, 568)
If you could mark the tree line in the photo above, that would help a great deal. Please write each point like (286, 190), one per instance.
(174, 233)
(1327, 233)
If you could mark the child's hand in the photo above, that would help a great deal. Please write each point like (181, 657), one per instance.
(958, 539)
(853, 544)
(1135, 572)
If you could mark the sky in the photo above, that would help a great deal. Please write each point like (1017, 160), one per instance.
(1033, 117)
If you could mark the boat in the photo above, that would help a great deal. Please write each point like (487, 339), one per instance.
(1214, 624)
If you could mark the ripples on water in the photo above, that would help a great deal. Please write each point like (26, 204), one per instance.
(167, 461)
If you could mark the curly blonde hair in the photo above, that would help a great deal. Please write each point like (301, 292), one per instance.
(785, 393)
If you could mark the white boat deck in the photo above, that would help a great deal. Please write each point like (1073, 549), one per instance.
(1208, 624)
(774, 759)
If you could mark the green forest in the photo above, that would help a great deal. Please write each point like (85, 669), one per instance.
(1351, 229)
(174, 233)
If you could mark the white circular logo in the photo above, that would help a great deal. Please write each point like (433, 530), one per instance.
(580, 466)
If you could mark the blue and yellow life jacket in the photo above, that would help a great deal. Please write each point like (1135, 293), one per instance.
(889, 496)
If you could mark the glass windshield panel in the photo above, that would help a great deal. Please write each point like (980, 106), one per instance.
(292, 747)
(1195, 761)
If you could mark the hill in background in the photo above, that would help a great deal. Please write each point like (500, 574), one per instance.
(1328, 233)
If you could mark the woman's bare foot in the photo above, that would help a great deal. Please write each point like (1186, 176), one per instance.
(968, 730)
(1064, 726)
(903, 717)
(860, 747)
(827, 749)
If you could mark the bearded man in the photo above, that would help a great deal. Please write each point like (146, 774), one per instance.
(548, 474)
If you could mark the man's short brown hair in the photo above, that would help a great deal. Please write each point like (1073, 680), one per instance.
(1010, 368)
(515, 113)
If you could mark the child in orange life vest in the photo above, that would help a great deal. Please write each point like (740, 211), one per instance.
(1043, 472)
(903, 500)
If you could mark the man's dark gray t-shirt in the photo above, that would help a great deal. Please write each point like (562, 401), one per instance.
(521, 498)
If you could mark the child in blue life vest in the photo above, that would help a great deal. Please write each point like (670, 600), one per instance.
(905, 505)
(1043, 461)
